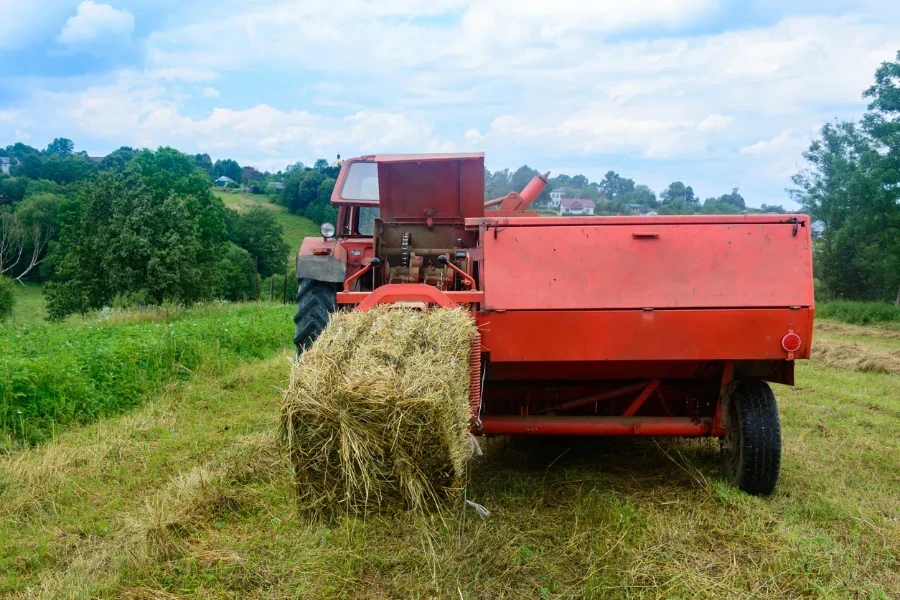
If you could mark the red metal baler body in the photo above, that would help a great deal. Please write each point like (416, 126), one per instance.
(588, 325)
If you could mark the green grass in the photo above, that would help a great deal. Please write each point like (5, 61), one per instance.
(859, 313)
(295, 227)
(54, 375)
(189, 496)
(29, 307)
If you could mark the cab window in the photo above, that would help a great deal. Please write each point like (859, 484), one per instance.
(361, 182)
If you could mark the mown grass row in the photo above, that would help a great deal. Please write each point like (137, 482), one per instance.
(55, 375)
(858, 313)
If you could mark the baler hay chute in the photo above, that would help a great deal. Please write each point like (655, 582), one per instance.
(609, 326)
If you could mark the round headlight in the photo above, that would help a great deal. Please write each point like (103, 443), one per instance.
(327, 230)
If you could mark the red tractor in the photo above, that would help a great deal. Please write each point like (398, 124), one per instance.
(625, 326)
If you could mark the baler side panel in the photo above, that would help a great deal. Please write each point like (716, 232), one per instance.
(585, 267)
(637, 335)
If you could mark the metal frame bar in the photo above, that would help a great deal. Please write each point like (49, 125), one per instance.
(639, 401)
(600, 426)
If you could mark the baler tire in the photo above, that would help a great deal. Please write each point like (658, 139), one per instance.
(752, 447)
(316, 300)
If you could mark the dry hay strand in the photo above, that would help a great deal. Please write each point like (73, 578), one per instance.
(145, 593)
(195, 497)
(377, 412)
(858, 330)
(31, 479)
(852, 356)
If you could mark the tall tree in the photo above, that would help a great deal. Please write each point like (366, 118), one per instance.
(851, 186)
(60, 147)
(117, 159)
(131, 238)
(678, 199)
(258, 232)
(614, 186)
(204, 163)
(229, 168)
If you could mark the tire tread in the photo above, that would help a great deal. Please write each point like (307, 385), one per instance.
(757, 415)
(315, 303)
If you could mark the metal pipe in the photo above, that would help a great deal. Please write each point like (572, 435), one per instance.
(470, 281)
(534, 189)
(373, 263)
(600, 426)
(529, 194)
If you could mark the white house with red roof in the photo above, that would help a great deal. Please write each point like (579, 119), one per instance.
(576, 206)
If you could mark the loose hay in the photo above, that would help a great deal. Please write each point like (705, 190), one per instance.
(851, 356)
(377, 411)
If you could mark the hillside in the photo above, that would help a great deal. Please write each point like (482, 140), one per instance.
(295, 227)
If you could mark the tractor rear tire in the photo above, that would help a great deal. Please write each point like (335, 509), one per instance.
(752, 447)
(316, 301)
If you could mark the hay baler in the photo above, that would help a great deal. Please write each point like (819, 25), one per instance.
(589, 326)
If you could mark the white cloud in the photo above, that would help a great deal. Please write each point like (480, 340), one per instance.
(138, 109)
(7, 115)
(94, 21)
(22, 136)
(785, 139)
(211, 92)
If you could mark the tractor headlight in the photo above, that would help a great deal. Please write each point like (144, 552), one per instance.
(327, 230)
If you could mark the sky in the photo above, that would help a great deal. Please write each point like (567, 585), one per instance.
(715, 93)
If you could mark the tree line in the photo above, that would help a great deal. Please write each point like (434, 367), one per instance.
(137, 227)
(618, 195)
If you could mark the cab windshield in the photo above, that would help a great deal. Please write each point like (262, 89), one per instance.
(361, 182)
(367, 216)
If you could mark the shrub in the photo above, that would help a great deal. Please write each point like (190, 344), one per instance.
(7, 297)
(858, 313)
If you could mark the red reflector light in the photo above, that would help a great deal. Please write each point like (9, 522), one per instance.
(321, 251)
(791, 342)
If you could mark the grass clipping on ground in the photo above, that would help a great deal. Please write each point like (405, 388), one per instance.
(377, 413)
(855, 357)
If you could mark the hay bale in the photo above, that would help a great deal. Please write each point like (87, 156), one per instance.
(376, 415)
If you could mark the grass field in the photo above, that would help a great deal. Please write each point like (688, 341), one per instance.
(295, 227)
(53, 375)
(187, 497)
(29, 307)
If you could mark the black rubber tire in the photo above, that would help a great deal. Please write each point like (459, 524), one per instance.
(752, 448)
(316, 300)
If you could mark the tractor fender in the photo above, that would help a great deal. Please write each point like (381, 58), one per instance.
(321, 268)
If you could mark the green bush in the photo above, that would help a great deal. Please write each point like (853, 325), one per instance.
(7, 297)
(59, 374)
(858, 313)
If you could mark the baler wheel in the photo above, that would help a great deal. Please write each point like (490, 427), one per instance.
(752, 447)
(316, 301)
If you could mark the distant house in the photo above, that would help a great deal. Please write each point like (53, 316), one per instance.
(556, 196)
(576, 206)
(96, 159)
(276, 185)
(5, 164)
(224, 181)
